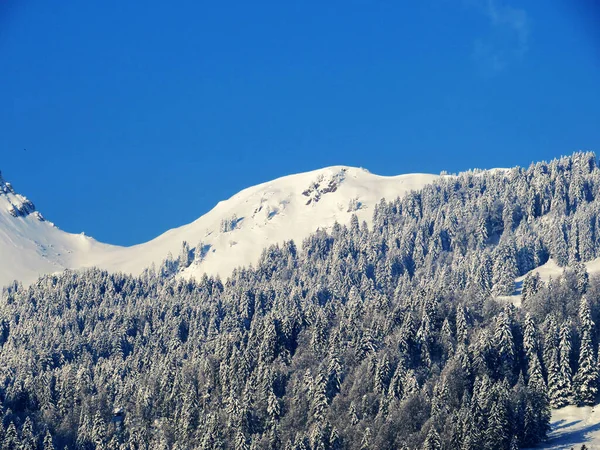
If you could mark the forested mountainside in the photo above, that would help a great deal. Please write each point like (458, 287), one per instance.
(363, 338)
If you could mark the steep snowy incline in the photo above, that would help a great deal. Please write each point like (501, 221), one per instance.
(30, 246)
(235, 231)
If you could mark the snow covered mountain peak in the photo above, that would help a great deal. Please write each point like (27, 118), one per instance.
(232, 234)
(235, 232)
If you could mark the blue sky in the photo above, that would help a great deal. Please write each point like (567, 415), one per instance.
(123, 120)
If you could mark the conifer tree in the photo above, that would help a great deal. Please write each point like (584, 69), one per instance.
(11, 439)
(319, 399)
(505, 268)
(530, 343)
(353, 415)
(28, 441)
(240, 441)
(446, 339)
(504, 343)
(555, 394)
(497, 432)
(48, 444)
(585, 380)
(551, 339)
(562, 391)
(382, 373)
(535, 376)
(334, 440)
(432, 442)
(365, 443)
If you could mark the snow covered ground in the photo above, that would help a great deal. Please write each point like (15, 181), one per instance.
(573, 426)
(546, 271)
(232, 234)
(31, 246)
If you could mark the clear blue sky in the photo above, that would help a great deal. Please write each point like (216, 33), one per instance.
(137, 116)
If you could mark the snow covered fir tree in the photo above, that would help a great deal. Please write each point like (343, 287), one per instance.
(394, 336)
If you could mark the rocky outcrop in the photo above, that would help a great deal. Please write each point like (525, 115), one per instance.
(322, 186)
(18, 205)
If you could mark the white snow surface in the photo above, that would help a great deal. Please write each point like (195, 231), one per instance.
(573, 426)
(291, 207)
(31, 246)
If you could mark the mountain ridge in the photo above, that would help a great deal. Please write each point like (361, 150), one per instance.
(232, 234)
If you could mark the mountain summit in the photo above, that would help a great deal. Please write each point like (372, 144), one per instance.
(235, 232)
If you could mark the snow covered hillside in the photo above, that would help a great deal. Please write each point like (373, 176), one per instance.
(232, 234)
(31, 246)
(572, 427)
(236, 230)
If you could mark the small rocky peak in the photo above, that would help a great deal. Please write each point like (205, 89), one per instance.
(18, 205)
(324, 184)
(5, 186)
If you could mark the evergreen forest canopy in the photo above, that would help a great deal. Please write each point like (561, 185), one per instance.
(389, 337)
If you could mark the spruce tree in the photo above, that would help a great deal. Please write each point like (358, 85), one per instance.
(11, 439)
(585, 380)
(48, 444)
(504, 344)
(28, 441)
(497, 432)
(432, 441)
(365, 443)
(562, 391)
(555, 394)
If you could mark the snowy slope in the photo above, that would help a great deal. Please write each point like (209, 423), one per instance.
(546, 271)
(290, 207)
(30, 246)
(553, 270)
(573, 426)
(232, 234)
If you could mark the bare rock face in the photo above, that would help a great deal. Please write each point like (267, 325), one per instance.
(18, 205)
(322, 186)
